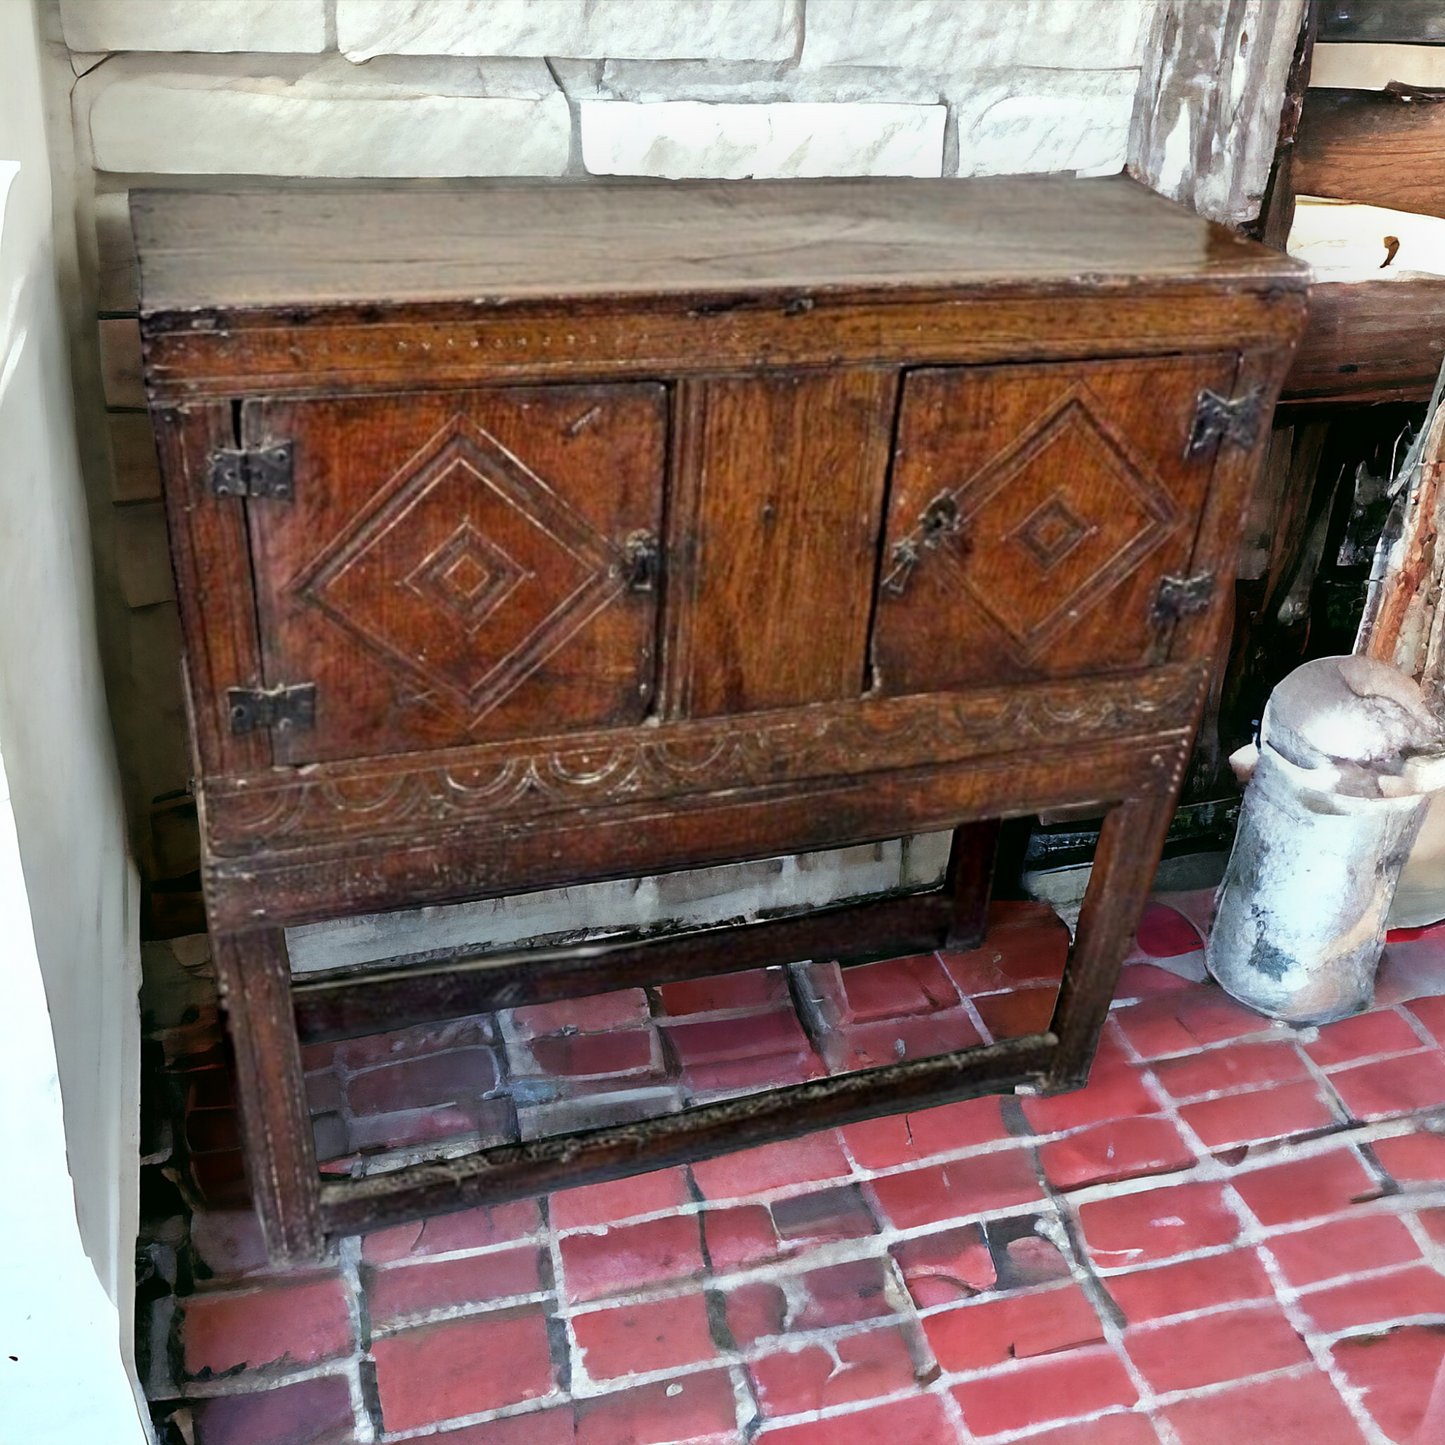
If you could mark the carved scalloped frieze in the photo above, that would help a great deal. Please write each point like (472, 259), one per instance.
(410, 795)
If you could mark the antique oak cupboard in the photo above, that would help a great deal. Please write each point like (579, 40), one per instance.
(536, 533)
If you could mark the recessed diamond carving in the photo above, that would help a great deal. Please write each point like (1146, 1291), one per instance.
(468, 575)
(465, 573)
(1051, 532)
(1056, 521)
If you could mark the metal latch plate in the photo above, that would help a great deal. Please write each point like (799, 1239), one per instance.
(1183, 597)
(272, 707)
(254, 472)
(1223, 419)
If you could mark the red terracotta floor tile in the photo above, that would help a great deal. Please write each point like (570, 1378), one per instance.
(1016, 1326)
(1158, 1223)
(774, 1166)
(1417, 1158)
(1178, 1023)
(898, 987)
(596, 1014)
(594, 1056)
(1380, 1032)
(1431, 1012)
(872, 1364)
(621, 1199)
(1115, 1429)
(806, 1221)
(1433, 1223)
(1230, 1066)
(950, 1265)
(755, 1312)
(1305, 1188)
(1026, 943)
(299, 1322)
(947, 1191)
(1213, 1017)
(695, 1407)
(1364, 1302)
(1345, 1246)
(410, 1043)
(1022, 1011)
(1300, 1410)
(748, 1076)
(919, 1421)
(1120, 1149)
(1144, 980)
(468, 1229)
(430, 1374)
(867, 1046)
(1054, 1387)
(1153, 1028)
(631, 1256)
(1116, 1090)
(310, 1412)
(1259, 1114)
(407, 1289)
(1396, 1374)
(1193, 1284)
(534, 1427)
(740, 1237)
(431, 1079)
(843, 1294)
(910, 1138)
(757, 988)
(1392, 1086)
(1164, 932)
(1214, 1348)
(639, 1338)
(725, 1040)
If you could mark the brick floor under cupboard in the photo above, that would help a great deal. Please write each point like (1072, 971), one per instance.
(1235, 1233)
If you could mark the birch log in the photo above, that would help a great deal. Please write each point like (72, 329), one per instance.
(1403, 622)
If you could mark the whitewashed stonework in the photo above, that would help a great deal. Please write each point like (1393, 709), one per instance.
(1051, 123)
(284, 116)
(203, 25)
(586, 29)
(678, 139)
(959, 36)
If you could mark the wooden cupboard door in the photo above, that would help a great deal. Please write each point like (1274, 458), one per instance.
(1033, 514)
(775, 520)
(462, 566)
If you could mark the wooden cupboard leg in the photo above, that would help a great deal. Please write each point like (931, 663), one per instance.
(969, 881)
(1124, 865)
(254, 975)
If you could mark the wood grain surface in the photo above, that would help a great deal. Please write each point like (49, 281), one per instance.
(1377, 147)
(509, 241)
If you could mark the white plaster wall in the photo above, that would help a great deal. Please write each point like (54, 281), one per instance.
(69, 951)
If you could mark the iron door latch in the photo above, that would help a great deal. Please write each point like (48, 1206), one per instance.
(642, 562)
(254, 472)
(272, 707)
(1183, 597)
(1220, 419)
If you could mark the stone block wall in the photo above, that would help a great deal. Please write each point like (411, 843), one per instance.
(198, 92)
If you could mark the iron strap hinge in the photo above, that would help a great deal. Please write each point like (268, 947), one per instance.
(1220, 419)
(254, 472)
(1183, 597)
(272, 707)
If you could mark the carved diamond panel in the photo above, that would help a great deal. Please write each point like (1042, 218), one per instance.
(465, 573)
(469, 576)
(1056, 520)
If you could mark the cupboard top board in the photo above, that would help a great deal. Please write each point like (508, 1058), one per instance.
(491, 242)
